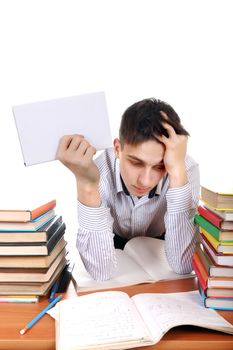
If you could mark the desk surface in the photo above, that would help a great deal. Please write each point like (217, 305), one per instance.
(42, 335)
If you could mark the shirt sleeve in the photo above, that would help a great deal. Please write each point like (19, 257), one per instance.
(95, 241)
(181, 232)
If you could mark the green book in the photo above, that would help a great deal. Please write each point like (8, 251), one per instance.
(221, 236)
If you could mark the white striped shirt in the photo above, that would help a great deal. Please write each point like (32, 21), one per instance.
(171, 211)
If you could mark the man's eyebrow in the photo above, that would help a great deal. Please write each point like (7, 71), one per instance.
(136, 159)
(142, 161)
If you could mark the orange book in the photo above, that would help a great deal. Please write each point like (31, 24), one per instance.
(200, 271)
(25, 215)
(201, 266)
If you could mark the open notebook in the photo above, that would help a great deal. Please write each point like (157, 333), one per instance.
(142, 260)
(113, 320)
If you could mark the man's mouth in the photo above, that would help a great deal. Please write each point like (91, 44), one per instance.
(141, 189)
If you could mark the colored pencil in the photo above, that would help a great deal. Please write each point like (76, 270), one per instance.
(41, 314)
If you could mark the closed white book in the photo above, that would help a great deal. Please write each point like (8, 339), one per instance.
(40, 125)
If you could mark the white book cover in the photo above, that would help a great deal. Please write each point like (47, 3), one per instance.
(40, 125)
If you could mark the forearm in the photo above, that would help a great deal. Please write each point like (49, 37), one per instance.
(180, 243)
(178, 177)
(181, 233)
(88, 194)
(95, 241)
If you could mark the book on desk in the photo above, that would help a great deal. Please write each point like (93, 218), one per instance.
(113, 320)
(213, 258)
(143, 260)
(219, 197)
(32, 250)
(43, 234)
(14, 214)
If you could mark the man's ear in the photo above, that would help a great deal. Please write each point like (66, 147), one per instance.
(117, 147)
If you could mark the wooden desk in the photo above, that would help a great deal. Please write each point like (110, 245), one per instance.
(42, 336)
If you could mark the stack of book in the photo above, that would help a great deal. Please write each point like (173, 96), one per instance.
(32, 251)
(213, 258)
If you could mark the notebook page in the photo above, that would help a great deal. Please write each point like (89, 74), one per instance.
(149, 253)
(128, 273)
(99, 319)
(162, 312)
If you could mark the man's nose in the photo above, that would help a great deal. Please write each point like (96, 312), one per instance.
(146, 178)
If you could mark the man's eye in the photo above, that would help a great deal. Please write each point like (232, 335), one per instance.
(161, 167)
(136, 164)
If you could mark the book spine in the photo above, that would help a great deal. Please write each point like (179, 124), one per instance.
(201, 221)
(205, 259)
(210, 216)
(56, 237)
(217, 307)
(201, 291)
(210, 238)
(19, 299)
(201, 267)
(53, 227)
(201, 280)
(43, 209)
(220, 247)
(218, 258)
(215, 207)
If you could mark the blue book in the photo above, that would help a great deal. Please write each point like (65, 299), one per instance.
(219, 303)
(33, 225)
(216, 303)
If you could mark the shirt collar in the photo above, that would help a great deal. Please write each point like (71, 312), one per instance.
(120, 185)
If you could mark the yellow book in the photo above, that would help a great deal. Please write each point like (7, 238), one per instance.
(220, 247)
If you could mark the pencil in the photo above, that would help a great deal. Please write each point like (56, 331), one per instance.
(38, 317)
(53, 291)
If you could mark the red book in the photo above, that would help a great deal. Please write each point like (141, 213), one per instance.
(214, 218)
(210, 216)
(200, 265)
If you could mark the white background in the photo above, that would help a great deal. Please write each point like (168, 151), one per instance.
(178, 51)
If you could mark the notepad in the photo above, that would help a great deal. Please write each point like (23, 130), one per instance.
(40, 125)
(113, 320)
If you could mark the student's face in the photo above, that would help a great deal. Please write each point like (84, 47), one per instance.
(141, 166)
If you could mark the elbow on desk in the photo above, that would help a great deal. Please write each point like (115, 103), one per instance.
(102, 270)
(100, 274)
(181, 268)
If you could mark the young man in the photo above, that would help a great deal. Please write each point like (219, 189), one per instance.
(145, 185)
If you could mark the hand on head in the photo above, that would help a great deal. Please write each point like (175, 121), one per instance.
(174, 156)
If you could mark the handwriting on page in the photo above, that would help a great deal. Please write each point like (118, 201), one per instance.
(92, 322)
(161, 312)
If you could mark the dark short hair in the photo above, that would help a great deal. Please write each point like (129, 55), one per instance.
(143, 121)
